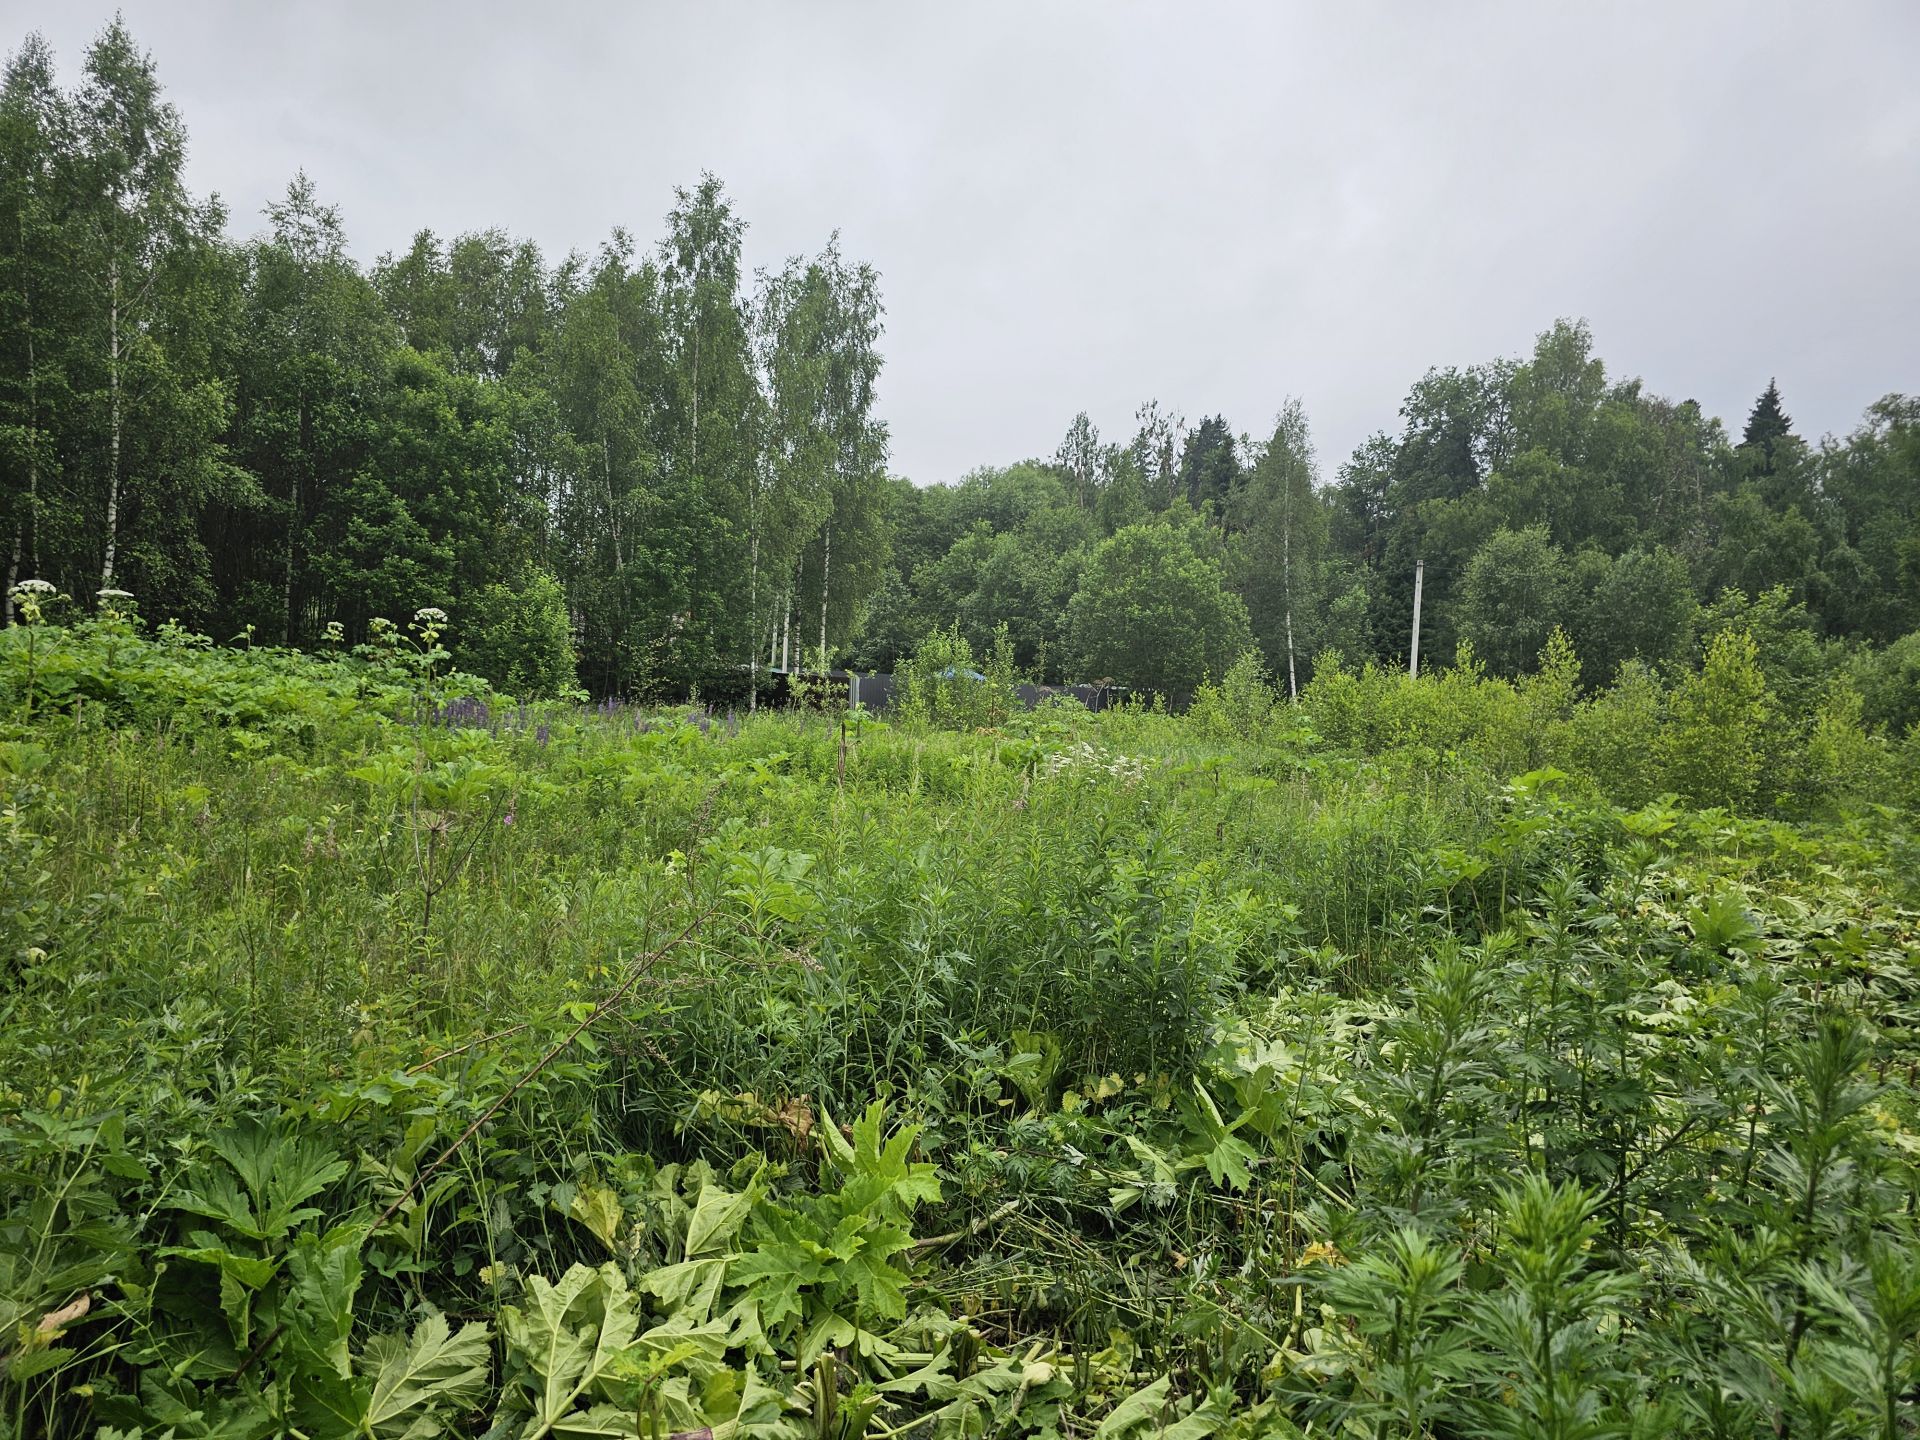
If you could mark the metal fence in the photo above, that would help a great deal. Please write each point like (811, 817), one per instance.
(875, 691)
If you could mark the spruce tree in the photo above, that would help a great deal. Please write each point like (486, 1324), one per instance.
(1768, 423)
(1209, 468)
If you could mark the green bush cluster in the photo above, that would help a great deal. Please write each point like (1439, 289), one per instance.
(940, 686)
(380, 1056)
(1720, 736)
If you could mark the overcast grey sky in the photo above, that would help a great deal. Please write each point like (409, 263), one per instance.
(1081, 206)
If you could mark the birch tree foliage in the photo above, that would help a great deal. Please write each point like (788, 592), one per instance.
(37, 298)
(158, 296)
(1279, 550)
(792, 493)
(707, 434)
(847, 557)
(605, 374)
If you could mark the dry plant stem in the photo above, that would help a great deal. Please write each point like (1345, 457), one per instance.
(471, 1044)
(640, 969)
(974, 1229)
(265, 1344)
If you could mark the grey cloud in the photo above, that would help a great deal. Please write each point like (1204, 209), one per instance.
(1086, 205)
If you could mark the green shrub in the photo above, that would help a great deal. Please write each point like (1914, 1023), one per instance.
(520, 638)
(1889, 684)
(1714, 751)
(1842, 762)
(939, 685)
(1240, 706)
(1332, 700)
(1153, 611)
(1614, 737)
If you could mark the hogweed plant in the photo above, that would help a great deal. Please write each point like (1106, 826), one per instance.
(30, 599)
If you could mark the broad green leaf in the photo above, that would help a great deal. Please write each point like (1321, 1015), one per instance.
(597, 1420)
(253, 1271)
(827, 1332)
(214, 1193)
(24, 1365)
(717, 1218)
(325, 1272)
(303, 1168)
(564, 1340)
(413, 1380)
(1208, 1418)
(1140, 1409)
(689, 1288)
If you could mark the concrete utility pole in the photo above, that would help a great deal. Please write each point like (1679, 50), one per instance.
(1419, 579)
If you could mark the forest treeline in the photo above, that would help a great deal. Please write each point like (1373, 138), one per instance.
(1540, 495)
(646, 469)
(644, 452)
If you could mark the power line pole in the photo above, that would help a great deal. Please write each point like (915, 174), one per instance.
(1419, 579)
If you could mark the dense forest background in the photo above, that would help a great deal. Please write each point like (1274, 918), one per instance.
(645, 470)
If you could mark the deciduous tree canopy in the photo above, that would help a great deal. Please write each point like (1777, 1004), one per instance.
(265, 437)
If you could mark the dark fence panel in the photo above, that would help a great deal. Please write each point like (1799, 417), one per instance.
(876, 692)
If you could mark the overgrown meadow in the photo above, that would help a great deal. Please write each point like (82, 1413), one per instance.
(382, 1057)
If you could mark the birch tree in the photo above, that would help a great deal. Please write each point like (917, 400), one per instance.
(708, 437)
(1280, 548)
(846, 560)
(792, 492)
(160, 287)
(35, 297)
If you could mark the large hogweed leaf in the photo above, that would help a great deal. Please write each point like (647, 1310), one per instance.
(417, 1382)
(823, 1267)
(325, 1273)
(400, 1388)
(564, 1344)
(717, 1217)
(879, 1175)
(268, 1177)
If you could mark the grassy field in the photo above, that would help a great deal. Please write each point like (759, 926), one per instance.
(381, 1057)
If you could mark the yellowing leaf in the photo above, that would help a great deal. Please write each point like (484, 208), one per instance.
(598, 1208)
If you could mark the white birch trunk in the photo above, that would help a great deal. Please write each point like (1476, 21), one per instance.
(1286, 587)
(113, 389)
(33, 474)
(613, 506)
(826, 570)
(293, 528)
(753, 611)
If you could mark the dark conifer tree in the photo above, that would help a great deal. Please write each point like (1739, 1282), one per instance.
(1768, 424)
(1209, 468)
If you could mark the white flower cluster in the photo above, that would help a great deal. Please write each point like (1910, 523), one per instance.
(1088, 758)
(27, 596)
(430, 615)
